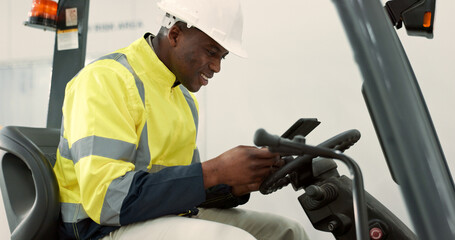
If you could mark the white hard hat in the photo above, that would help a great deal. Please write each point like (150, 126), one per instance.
(222, 20)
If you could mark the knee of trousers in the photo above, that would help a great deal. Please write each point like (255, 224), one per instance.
(225, 232)
(293, 231)
(278, 227)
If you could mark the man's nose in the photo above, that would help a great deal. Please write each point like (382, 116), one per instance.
(215, 65)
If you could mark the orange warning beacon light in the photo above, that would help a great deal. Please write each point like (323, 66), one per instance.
(427, 19)
(43, 14)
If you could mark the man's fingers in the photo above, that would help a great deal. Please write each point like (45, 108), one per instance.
(263, 163)
(261, 174)
(263, 153)
(279, 163)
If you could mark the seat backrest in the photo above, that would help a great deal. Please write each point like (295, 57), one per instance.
(27, 181)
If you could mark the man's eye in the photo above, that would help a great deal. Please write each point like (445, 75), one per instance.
(210, 52)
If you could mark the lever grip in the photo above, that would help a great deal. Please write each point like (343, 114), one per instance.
(263, 138)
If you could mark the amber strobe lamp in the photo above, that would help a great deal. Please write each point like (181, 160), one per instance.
(43, 15)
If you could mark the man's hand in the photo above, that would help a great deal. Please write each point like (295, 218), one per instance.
(239, 190)
(243, 168)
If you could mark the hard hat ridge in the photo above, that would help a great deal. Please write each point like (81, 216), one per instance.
(169, 21)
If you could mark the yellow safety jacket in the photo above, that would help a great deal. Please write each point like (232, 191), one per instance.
(127, 145)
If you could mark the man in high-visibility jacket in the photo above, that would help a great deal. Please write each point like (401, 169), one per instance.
(127, 163)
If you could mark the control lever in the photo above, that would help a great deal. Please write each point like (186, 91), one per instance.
(288, 147)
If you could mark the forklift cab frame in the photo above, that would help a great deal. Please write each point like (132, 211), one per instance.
(392, 94)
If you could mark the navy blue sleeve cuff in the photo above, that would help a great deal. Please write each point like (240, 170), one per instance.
(173, 190)
(220, 196)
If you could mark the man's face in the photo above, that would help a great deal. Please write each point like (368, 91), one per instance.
(196, 58)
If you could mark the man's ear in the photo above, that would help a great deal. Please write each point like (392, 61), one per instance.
(174, 35)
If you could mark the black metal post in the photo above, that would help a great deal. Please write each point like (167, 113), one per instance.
(401, 119)
(67, 62)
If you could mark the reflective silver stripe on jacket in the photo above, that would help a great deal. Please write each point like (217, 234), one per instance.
(192, 105)
(115, 194)
(98, 146)
(64, 149)
(143, 151)
(72, 212)
(105, 147)
(196, 156)
(121, 58)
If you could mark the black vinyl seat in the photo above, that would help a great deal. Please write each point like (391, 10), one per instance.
(28, 184)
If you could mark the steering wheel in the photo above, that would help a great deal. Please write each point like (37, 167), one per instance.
(279, 179)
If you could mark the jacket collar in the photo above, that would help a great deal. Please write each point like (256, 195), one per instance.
(147, 64)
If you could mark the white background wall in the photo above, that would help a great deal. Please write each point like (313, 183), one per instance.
(300, 65)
